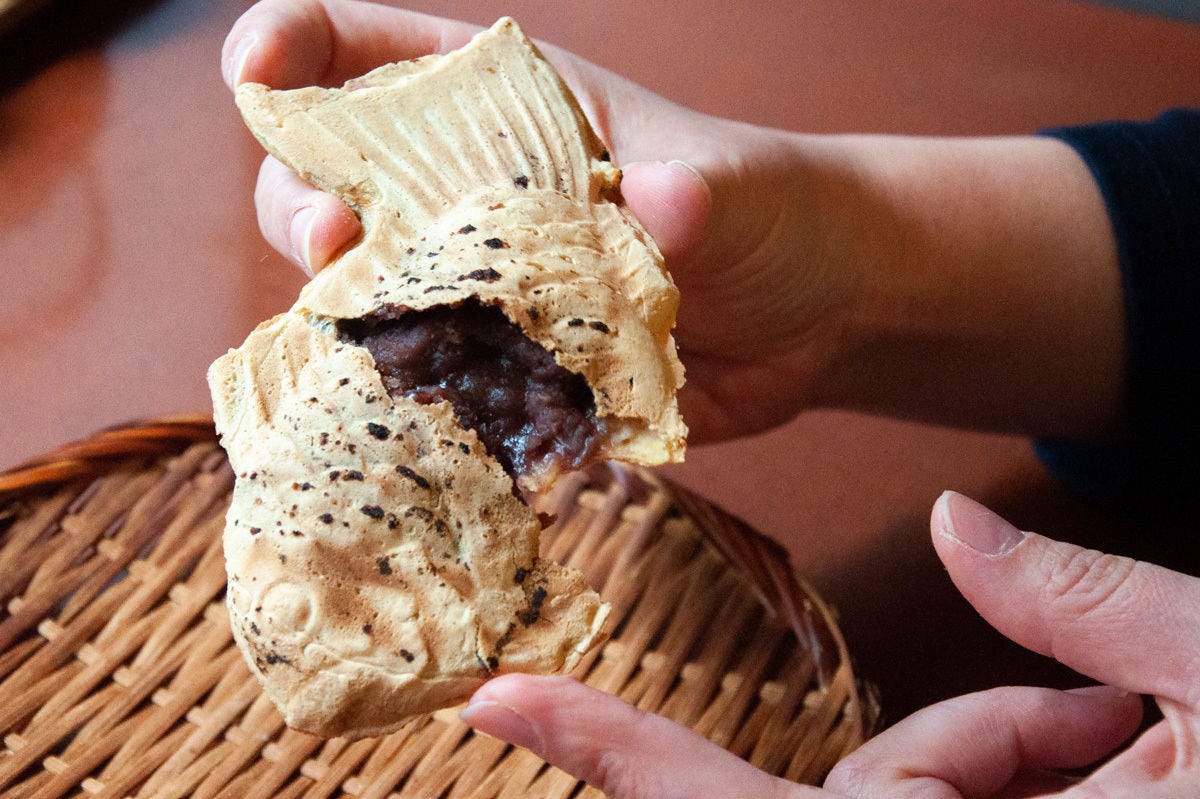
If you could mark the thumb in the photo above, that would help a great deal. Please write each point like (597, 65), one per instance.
(624, 752)
(672, 200)
(1122, 622)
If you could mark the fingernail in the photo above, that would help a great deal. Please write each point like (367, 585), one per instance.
(236, 64)
(300, 234)
(973, 525)
(501, 722)
(695, 172)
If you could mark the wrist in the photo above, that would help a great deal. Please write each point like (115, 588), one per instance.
(988, 293)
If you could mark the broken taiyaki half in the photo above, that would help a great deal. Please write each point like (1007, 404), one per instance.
(502, 319)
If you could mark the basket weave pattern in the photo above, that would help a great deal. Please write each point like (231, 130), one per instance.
(119, 676)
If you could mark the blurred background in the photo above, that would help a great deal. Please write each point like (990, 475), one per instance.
(130, 257)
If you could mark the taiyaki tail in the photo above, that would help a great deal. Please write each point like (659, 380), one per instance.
(492, 116)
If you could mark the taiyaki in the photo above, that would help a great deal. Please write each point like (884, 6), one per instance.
(502, 319)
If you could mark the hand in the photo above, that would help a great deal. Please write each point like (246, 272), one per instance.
(1131, 625)
(753, 329)
(843, 271)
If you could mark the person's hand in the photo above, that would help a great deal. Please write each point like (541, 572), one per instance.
(1132, 626)
(753, 329)
(840, 271)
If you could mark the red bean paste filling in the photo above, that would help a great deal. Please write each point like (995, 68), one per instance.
(528, 411)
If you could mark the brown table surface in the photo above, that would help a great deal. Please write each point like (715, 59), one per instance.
(130, 258)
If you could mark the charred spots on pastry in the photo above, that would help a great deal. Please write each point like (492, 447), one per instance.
(504, 640)
(326, 518)
(255, 530)
(345, 381)
(604, 156)
(533, 612)
(521, 181)
(409, 657)
(467, 228)
(488, 275)
(366, 628)
(384, 565)
(352, 474)
(274, 657)
(378, 431)
(595, 324)
(495, 243)
(424, 514)
(428, 516)
(405, 471)
(520, 575)
(374, 511)
(528, 412)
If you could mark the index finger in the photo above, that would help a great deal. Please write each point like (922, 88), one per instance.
(286, 44)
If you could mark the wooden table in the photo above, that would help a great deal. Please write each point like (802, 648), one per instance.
(130, 258)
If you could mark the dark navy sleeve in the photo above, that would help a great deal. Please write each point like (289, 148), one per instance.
(1149, 176)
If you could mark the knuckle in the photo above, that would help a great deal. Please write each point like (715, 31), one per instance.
(617, 776)
(851, 776)
(1088, 582)
(613, 766)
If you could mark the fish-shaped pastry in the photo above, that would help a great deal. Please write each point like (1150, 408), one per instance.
(502, 319)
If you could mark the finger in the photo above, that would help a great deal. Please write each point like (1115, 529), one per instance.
(1117, 620)
(307, 226)
(622, 751)
(978, 744)
(290, 43)
(672, 201)
(1161, 763)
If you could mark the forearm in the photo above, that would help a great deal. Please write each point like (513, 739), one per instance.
(988, 287)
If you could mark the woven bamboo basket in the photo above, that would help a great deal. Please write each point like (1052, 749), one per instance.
(119, 676)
